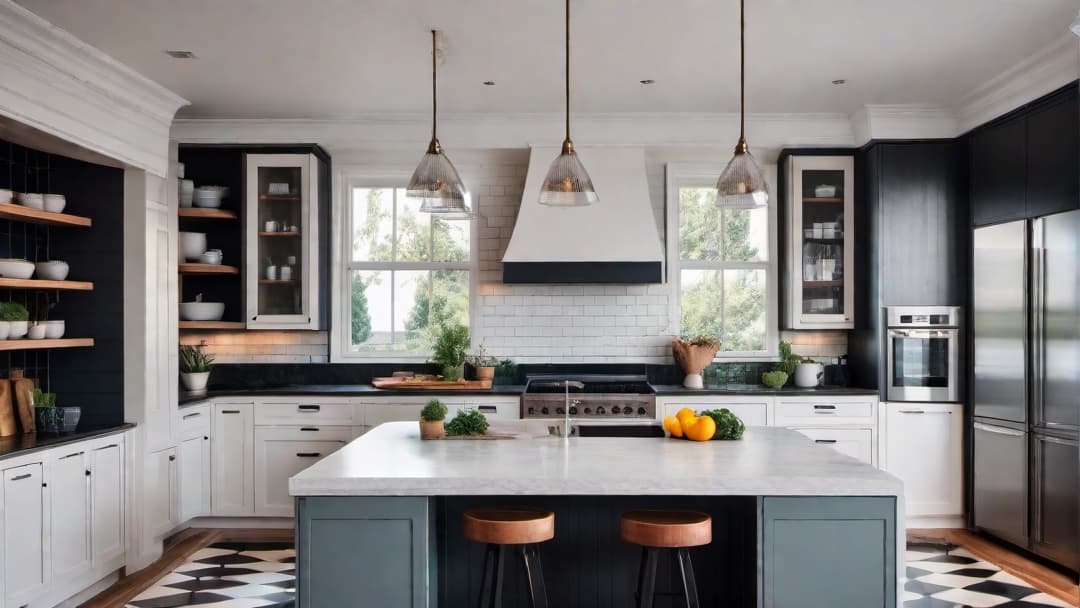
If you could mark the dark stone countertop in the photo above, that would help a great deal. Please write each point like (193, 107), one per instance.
(664, 390)
(18, 445)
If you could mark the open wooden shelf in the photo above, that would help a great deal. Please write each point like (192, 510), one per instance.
(817, 199)
(278, 282)
(27, 344)
(279, 197)
(207, 214)
(18, 213)
(283, 233)
(212, 325)
(207, 269)
(45, 284)
(814, 284)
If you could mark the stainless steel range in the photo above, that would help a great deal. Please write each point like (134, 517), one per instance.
(589, 396)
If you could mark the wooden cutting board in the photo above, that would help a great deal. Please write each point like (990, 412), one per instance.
(23, 388)
(414, 384)
(8, 426)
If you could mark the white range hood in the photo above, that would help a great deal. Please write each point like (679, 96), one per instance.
(612, 241)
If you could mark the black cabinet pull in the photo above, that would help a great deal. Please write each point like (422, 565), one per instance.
(308, 408)
(186, 416)
(488, 409)
(21, 477)
(230, 411)
(172, 458)
(71, 455)
(824, 441)
(309, 428)
(206, 438)
(308, 454)
(88, 472)
(824, 407)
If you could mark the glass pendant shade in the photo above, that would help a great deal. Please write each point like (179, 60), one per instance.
(437, 185)
(567, 184)
(742, 184)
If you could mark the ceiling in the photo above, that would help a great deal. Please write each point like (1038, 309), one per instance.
(339, 58)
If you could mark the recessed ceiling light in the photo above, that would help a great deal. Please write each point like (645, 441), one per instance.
(489, 83)
(180, 54)
(647, 81)
(839, 81)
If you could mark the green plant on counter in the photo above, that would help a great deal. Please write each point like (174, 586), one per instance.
(728, 425)
(467, 422)
(193, 360)
(449, 350)
(43, 399)
(481, 359)
(12, 311)
(788, 359)
(774, 379)
(434, 411)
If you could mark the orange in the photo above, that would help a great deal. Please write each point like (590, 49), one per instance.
(701, 429)
(685, 413)
(673, 426)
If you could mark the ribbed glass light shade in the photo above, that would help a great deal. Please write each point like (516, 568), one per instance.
(567, 184)
(438, 187)
(742, 184)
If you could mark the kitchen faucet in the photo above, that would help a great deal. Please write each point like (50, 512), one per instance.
(566, 408)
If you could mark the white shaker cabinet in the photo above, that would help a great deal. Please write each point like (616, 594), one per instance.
(753, 412)
(161, 492)
(232, 459)
(69, 479)
(857, 443)
(24, 521)
(281, 453)
(195, 476)
(924, 448)
(107, 510)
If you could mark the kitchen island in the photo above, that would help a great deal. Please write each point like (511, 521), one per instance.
(795, 524)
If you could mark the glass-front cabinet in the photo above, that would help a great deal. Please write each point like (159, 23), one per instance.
(281, 241)
(820, 242)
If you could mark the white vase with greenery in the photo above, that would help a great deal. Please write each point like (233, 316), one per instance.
(194, 367)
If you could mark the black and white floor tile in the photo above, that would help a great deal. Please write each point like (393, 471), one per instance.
(262, 574)
(228, 575)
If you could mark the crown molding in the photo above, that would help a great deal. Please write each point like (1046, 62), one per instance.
(903, 121)
(62, 86)
(1054, 66)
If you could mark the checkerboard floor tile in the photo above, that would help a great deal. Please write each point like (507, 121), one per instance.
(262, 574)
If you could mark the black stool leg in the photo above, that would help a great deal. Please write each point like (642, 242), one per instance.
(491, 584)
(686, 567)
(647, 578)
(486, 576)
(534, 574)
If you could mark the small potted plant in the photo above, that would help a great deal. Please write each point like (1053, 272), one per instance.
(16, 318)
(194, 367)
(431, 420)
(47, 417)
(693, 356)
(449, 351)
(483, 364)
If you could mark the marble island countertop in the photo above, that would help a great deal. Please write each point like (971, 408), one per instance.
(391, 460)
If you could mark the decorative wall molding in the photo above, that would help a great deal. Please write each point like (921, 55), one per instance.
(903, 121)
(66, 88)
(1055, 66)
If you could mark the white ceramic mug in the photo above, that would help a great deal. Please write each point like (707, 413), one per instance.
(809, 375)
(271, 226)
(271, 273)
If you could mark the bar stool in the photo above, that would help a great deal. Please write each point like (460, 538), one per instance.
(521, 527)
(657, 530)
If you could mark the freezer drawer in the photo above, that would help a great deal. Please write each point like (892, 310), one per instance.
(1000, 482)
(1055, 495)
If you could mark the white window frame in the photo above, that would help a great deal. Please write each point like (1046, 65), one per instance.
(343, 265)
(696, 176)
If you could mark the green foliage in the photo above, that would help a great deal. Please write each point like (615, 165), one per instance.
(481, 359)
(450, 346)
(434, 411)
(467, 422)
(361, 318)
(42, 399)
(728, 425)
(506, 368)
(788, 359)
(13, 311)
(774, 379)
(193, 360)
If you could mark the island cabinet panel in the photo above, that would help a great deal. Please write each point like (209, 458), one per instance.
(828, 551)
(336, 565)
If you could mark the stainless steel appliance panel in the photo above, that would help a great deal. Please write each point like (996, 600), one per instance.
(1055, 509)
(1000, 322)
(1056, 321)
(1000, 481)
(922, 353)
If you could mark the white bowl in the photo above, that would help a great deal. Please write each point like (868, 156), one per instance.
(53, 270)
(202, 311)
(36, 331)
(18, 329)
(54, 329)
(5, 195)
(12, 268)
(192, 245)
(30, 199)
(5, 329)
(55, 202)
(825, 191)
(209, 196)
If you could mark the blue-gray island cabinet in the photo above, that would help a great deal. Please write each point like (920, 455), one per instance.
(794, 524)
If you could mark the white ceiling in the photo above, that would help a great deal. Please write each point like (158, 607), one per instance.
(339, 58)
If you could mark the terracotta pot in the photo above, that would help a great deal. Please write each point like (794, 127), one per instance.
(432, 429)
(485, 373)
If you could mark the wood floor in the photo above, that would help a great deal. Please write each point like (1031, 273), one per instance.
(179, 547)
(1043, 578)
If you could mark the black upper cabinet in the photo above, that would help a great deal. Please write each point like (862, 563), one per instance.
(1027, 164)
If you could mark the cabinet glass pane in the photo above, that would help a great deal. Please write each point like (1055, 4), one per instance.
(280, 251)
(822, 203)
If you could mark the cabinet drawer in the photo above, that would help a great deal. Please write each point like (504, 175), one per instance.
(857, 443)
(828, 412)
(493, 409)
(193, 421)
(304, 412)
(751, 412)
(280, 454)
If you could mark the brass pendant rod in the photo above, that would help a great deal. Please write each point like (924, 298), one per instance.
(567, 70)
(434, 86)
(742, 71)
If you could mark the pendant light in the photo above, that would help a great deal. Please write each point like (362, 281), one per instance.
(742, 184)
(436, 182)
(567, 184)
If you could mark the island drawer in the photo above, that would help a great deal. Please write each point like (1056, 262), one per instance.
(857, 443)
(829, 411)
(303, 412)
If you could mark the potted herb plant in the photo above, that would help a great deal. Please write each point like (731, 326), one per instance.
(449, 351)
(16, 318)
(431, 420)
(194, 367)
(47, 417)
(467, 422)
(483, 364)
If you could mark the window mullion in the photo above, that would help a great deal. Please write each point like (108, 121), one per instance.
(393, 258)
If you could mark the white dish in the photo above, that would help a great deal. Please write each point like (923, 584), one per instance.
(187, 192)
(192, 245)
(12, 268)
(202, 311)
(824, 191)
(212, 256)
(36, 331)
(5, 329)
(53, 270)
(5, 195)
(54, 329)
(209, 196)
(30, 199)
(55, 203)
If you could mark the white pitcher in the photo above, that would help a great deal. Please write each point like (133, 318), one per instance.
(809, 375)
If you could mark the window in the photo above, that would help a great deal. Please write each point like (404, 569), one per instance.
(405, 272)
(722, 266)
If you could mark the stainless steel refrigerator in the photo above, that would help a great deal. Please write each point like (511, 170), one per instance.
(1026, 393)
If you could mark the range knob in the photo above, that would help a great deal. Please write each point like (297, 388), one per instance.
(560, 411)
(600, 410)
(573, 411)
(641, 411)
(588, 411)
(615, 409)
(532, 410)
(544, 411)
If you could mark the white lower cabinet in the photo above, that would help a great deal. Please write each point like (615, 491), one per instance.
(25, 574)
(195, 474)
(857, 443)
(161, 492)
(923, 447)
(281, 453)
(232, 460)
(753, 412)
(107, 511)
(69, 479)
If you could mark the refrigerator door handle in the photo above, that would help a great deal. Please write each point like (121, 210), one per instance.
(1038, 316)
(997, 430)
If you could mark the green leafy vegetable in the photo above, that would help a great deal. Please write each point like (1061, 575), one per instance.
(467, 422)
(774, 379)
(13, 311)
(42, 399)
(434, 411)
(728, 425)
